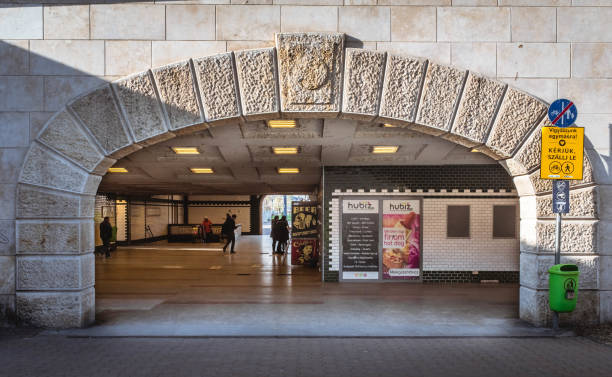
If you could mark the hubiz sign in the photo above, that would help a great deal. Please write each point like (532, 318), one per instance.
(360, 206)
(400, 206)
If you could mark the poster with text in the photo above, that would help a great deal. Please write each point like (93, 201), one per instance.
(304, 251)
(360, 239)
(304, 220)
(401, 239)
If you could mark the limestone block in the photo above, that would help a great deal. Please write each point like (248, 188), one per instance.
(310, 72)
(586, 312)
(401, 88)
(518, 115)
(127, 57)
(479, 102)
(248, 45)
(308, 18)
(545, 185)
(176, 88)
(604, 197)
(14, 56)
(590, 60)
(45, 168)
(11, 160)
(263, 21)
(7, 309)
(528, 206)
(87, 206)
(533, 60)
(605, 272)
(66, 57)
(91, 184)
(190, 22)
(363, 78)
(593, 95)
(258, 83)
(21, 93)
(605, 306)
(14, 128)
(7, 237)
(36, 273)
(534, 24)
(66, 22)
(19, 22)
(61, 89)
(365, 23)
(106, 163)
(528, 236)
(7, 277)
(467, 24)
(63, 135)
(99, 114)
(583, 204)
(167, 52)
(533, 307)
(141, 106)
(414, 24)
(128, 21)
(441, 91)
(588, 24)
(56, 309)
(480, 57)
(7, 201)
(534, 270)
(605, 237)
(436, 51)
(576, 236)
(544, 3)
(35, 202)
(54, 236)
(524, 186)
(218, 87)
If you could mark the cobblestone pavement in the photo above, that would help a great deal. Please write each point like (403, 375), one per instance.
(50, 356)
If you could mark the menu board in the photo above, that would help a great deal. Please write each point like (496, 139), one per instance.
(401, 239)
(360, 239)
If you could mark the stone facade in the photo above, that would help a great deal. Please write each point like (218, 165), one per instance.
(63, 58)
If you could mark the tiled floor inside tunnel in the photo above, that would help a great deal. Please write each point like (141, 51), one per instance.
(194, 289)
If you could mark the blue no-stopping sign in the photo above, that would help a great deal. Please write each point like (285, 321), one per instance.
(562, 113)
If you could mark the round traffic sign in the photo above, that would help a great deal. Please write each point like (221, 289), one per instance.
(562, 113)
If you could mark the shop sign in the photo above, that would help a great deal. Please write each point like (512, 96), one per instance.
(401, 251)
(360, 224)
(562, 153)
(304, 220)
(304, 251)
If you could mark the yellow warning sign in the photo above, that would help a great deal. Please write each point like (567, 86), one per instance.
(562, 153)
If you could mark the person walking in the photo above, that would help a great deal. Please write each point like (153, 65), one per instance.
(282, 235)
(106, 233)
(273, 235)
(228, 228)
(206, 230)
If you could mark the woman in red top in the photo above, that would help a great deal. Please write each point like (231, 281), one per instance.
(206, 229)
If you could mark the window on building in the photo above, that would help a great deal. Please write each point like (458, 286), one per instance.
(458, 221)
(504, 221)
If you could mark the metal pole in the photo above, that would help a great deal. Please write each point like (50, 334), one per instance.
(557, 260)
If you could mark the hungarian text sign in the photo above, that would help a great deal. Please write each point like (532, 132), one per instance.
(562, 153)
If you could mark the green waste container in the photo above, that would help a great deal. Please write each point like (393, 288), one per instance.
(563, 287)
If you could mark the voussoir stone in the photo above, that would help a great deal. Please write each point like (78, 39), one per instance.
(528, 156)
(140, 103)
(56, 309)
(54, 272)
(177, 91)
(363, 77)
(518, 115)
(45, 168)
(218, 87)
(310, 73)
(258, 83)
(576, 237)
(66, 137)
(401, 87)
(34, 202)
(479, 102)
(441, 92)
(99, 113)
(583, 204)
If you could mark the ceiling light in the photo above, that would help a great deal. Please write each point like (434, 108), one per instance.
(387, 125)
(201, 170)
(288, 170)
(385, 149)
(474, 150)
(282, 123)
(117, 170)
(185, 150)
(285, 150)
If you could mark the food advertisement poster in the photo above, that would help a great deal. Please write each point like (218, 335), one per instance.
(401, 240)
(360, 239)
(303, 251)
(304, 220)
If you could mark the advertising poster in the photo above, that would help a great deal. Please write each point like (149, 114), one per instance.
(401, 239)
(360, 239)
(304, 251)
(304, 220)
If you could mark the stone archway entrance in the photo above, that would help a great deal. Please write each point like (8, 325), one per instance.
(307, 75)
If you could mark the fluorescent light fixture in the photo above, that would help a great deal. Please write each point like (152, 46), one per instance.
(385, 149)
(185, 150)
(117, 170)
(201, 170)
(285, 150)
(474, 150)
(288, 170)
(282, 123)
(387, 125)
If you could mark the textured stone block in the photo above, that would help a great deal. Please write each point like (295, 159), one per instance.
(128, 21)
(363, 78)
(168, 52)
(176, 88)
(14, 56)
(518, 115)
(589, 24)
(7, 277)
(141, 106)
(533, 24)
(583, 204)
(63, 135)
(534, 308)
(467, 24)
(60, 89)
(56, 309)
(7, 309)
(479, 102)
(36, 273)
(218, 87)
(436, 51)
(528, 156)
(576, 236)
(441, 91)
(365, 23)
(44, 168)
(414, 24)
(14, 129)
(263, 21)
(67, 57)
(258, 83)
(534, 270)
(7, 201)
(310, 72)
(21, 93)
(533, 60)
(401, 88)
(54, 237)
(66, 22)
(99, 114)
(296, 19)
(7, 237)
(190, 22)
(35, 202)
(21, 22)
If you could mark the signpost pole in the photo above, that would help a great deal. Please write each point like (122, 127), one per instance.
(555, 318)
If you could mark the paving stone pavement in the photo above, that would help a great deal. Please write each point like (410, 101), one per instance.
(49, 356)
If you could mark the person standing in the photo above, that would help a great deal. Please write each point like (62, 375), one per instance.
(282, 235)
(273, 232)
(228, 228)
(106, 233)
(206, 230)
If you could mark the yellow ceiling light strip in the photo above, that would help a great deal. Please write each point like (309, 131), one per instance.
(202, 170)
(282, 123)
(285, 150)
(117, 170)
(385, 149)
(288, 170)
(185, 150)
(387, 125)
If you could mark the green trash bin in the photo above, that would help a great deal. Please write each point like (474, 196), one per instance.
(563, 287)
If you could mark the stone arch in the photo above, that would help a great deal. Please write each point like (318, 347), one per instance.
(307, 75)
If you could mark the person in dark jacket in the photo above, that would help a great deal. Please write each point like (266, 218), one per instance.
(282, 234)
(106, 233)
(228, 228)
(273, 234)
